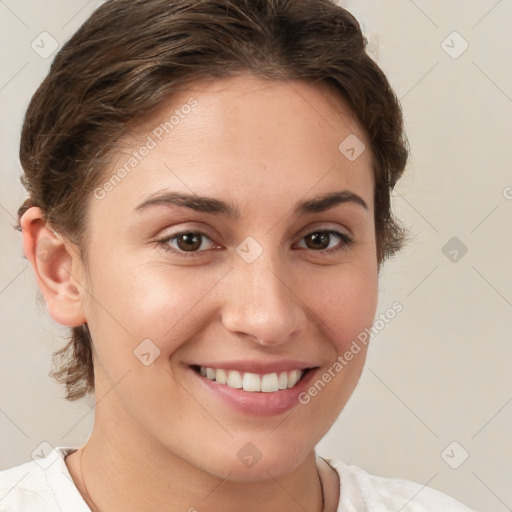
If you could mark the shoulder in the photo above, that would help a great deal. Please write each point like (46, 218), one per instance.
(362, 491)
(23, 486)
(38, 485)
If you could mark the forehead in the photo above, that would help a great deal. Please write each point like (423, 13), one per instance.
(242, 135)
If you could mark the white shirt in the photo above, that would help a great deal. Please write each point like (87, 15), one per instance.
(46, 485)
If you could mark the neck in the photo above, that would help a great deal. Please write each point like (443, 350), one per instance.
(138, 476)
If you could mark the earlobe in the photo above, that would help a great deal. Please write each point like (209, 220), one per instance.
(54, 264)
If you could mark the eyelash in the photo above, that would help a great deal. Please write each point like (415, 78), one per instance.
(346, 240)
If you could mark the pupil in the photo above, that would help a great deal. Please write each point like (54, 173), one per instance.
(319, 238)
(192, 241)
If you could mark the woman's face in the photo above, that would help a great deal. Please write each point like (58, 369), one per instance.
(217, 248)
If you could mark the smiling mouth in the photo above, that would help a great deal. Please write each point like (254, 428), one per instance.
(253, 382)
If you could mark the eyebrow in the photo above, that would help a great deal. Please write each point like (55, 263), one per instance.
(215, 206)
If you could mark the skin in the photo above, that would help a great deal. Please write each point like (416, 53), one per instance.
(262, 146)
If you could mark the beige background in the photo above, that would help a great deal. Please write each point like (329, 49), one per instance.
(439, 372)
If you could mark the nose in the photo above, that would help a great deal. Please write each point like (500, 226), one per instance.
(262, 304)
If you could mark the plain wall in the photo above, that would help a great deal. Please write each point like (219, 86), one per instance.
(439, 372)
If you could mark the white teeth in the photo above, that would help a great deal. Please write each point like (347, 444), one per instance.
(234, 380)
(283, 380)
(221, 376)
(293, 378)
(269, 383)
(253, 382)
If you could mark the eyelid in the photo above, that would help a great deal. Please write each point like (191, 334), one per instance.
(326, 226)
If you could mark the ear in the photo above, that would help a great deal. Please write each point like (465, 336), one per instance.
(57, 269)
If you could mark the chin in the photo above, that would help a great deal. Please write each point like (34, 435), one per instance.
(262, 460)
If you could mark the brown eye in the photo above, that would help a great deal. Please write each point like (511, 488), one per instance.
(187, 242)
(323, 240)
(319, 240)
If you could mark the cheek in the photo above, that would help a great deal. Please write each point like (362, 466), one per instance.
(139, 300)
(345, 304)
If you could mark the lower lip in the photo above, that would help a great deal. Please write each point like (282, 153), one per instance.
(258, 403)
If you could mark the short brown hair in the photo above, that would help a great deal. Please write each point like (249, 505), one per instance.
(131, 55)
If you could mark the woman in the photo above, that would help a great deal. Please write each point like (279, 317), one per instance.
(209, 207)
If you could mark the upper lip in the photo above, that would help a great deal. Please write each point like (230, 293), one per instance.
(260, 367)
